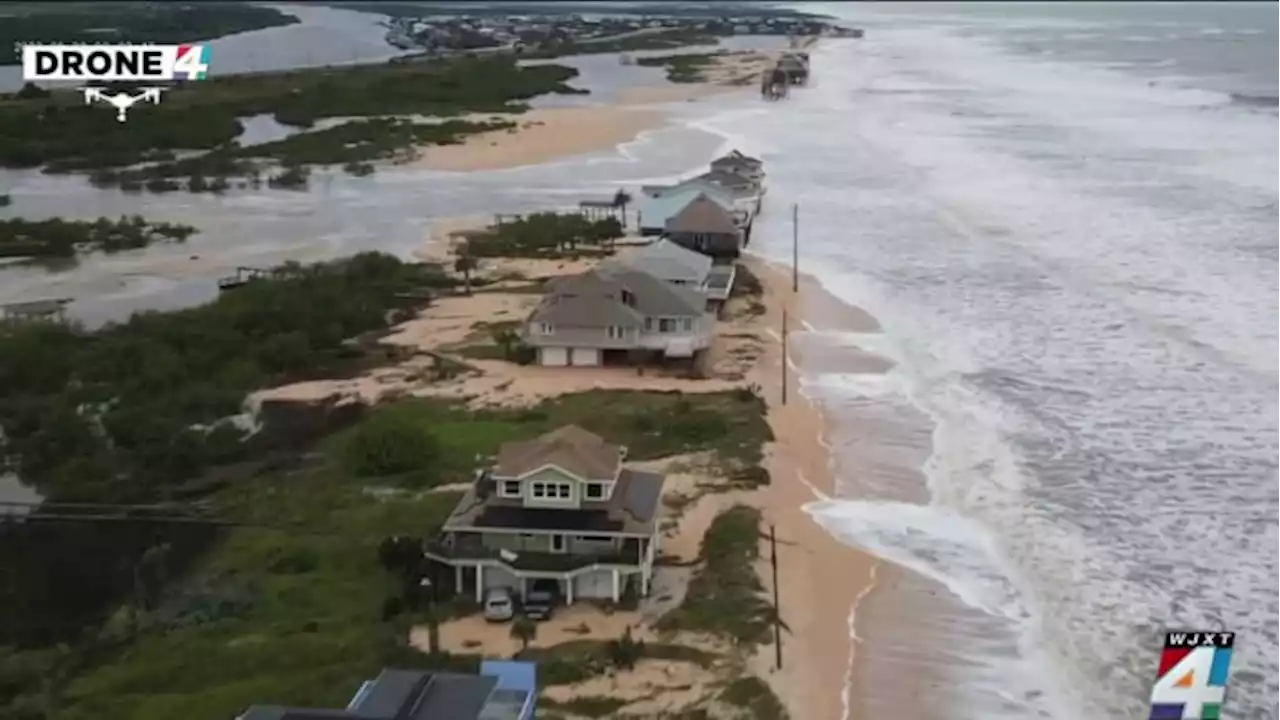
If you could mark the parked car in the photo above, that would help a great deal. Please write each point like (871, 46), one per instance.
(499, 604)
(540, 600)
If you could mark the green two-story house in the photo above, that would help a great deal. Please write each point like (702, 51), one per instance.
(561, 506)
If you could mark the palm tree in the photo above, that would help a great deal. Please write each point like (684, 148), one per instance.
(621, 199)
(506, 339)
(524, 630)
(464, 264)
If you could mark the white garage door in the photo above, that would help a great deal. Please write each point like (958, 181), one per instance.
(584, 356)
(594, 584)
(553, 357)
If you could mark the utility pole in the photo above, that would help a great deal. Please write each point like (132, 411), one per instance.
(795, 247)
(784, 357)
(777, 609)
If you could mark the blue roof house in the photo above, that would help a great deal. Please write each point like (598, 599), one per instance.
(502, 690)
(657, 205)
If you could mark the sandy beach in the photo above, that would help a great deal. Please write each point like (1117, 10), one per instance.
(542, 136)
(549, 134)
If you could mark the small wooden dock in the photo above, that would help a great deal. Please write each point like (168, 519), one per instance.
(246, 275)
(52, 310)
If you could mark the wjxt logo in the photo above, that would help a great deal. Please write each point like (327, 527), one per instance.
(121, 101)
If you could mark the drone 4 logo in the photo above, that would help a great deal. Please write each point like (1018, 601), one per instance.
(121, 101)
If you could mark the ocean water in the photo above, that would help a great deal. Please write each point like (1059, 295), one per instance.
(1068, 232)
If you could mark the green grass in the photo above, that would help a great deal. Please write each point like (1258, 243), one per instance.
(725, 597)
(310, 632)
(592, 706)
(681, 68)
(651, 425)
(755, 694)
(481, 351)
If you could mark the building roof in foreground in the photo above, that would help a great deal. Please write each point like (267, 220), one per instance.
(570, 448)
(667, 260)
(414, 695)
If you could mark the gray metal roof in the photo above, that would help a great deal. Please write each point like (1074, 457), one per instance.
(614, 295)
(585, 300)
(655, 297)
(667, 260)
(399, 695)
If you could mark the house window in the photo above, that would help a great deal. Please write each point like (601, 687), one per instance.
(546, 328)
(596, 491)
(552, 491)
(557, 543)
(628, 298)
(615, 332)
(686, 324)
(510, 488)
(648, 324)
(666, 325)
(595, 538)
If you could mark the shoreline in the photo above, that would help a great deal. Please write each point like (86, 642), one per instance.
(831, 579)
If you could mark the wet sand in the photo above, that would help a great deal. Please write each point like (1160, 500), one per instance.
(821, 579)
(542, 136)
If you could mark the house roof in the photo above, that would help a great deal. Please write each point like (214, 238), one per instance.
(703, 215)
(791, 63)
(585, 300)
(657, 205)
(667, 260)
(655, 297)
(399, 695)
(594, 299)
(736, 158)
(571, 448)
(632, 509)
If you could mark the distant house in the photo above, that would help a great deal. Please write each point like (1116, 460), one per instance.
(607, 314)
(796, 67)
(740, 164)
(682, 267)
(34, 311)
(561, 506)
(738, 185)
(706, 227)
(503, 690)
(656, 205)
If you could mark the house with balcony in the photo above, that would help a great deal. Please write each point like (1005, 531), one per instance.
(682, 267)
(616, 315)
(502, 690)
(740, 164)
(562, 507)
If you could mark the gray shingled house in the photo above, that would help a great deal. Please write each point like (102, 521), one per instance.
(563, 507)
(605, 314)
(683, 267)
(739, 164)
(706, 227)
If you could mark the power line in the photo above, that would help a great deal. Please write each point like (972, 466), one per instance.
(49, 512)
